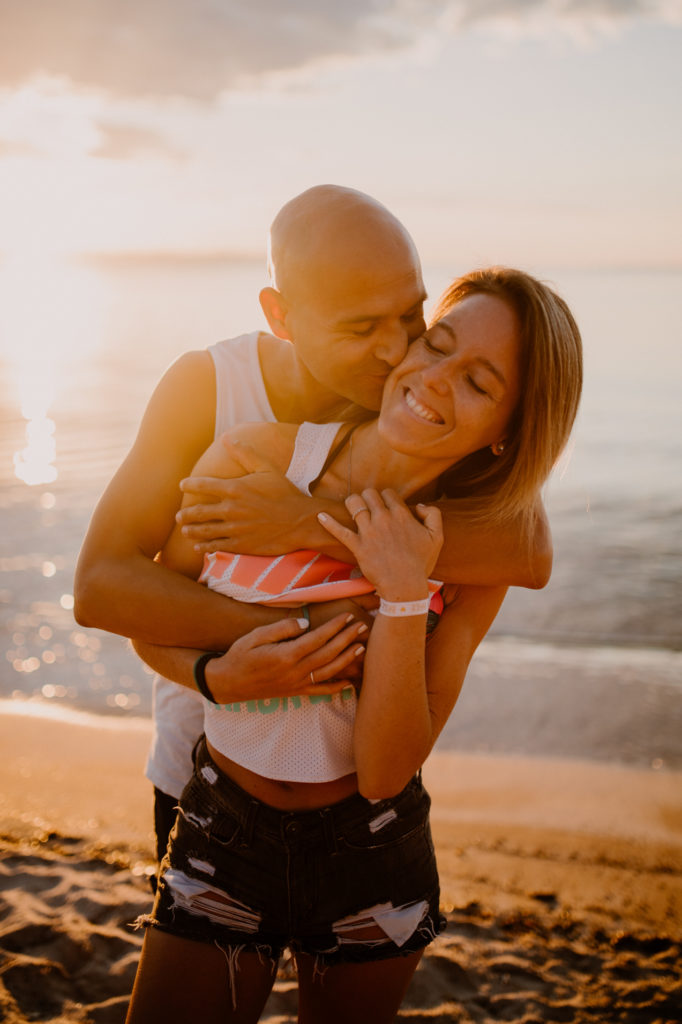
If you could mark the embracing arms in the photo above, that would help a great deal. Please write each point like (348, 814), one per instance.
(261, 663)
(237, 514)
(119, 586)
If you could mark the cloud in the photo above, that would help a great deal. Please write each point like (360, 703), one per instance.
(201, 48)
(126, 141)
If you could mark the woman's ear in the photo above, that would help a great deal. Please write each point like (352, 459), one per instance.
(275, 309)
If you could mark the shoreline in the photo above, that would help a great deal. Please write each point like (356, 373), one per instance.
(602, 705)
(561, 882)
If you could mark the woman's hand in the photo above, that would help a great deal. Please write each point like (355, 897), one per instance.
(280, 660)
(395, 548)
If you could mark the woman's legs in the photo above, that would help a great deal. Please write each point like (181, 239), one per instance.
(369, 993)
(180, 981)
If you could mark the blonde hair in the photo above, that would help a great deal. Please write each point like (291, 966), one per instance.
(495, 487)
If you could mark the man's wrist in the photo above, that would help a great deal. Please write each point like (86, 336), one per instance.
(199, 673)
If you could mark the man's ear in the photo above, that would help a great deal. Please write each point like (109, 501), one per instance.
(275, 309)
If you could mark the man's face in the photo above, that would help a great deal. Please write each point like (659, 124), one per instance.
(352, 325)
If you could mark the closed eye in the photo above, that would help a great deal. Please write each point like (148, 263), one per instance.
(477, 387)
(415, 314)
(363, 330)
(428, 344)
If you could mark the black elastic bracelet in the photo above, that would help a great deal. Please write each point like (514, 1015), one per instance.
(199, 673)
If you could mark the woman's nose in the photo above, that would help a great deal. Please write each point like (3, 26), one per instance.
(437, 377)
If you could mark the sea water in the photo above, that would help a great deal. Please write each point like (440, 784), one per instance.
(81, 347)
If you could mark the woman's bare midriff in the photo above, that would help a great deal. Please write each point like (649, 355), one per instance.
(286, 796)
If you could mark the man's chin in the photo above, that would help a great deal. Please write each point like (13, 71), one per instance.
(369, 397)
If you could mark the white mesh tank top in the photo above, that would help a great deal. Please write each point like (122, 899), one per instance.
(298, 739)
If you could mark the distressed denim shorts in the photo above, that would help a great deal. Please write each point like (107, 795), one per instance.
(353, 882)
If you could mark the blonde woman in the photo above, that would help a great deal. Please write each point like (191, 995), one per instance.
(307, 826)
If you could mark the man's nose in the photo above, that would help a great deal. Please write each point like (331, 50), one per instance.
(392, 344)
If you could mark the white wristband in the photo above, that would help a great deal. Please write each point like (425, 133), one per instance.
(398, 609)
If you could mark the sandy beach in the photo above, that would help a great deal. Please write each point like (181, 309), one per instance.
(561, 883)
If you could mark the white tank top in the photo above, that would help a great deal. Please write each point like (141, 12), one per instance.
(298, 739)
(178, 713)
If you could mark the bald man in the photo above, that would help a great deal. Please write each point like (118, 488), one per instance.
(346, 300)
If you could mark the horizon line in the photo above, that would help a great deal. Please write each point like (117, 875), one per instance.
(178, 257)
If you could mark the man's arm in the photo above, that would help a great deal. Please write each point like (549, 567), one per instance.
(241, 509)
(118, 585)
(504, 555)
(286, 658)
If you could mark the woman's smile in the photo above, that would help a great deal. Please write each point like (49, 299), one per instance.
(424, 412)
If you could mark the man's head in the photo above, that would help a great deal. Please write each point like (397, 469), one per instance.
(347, 290)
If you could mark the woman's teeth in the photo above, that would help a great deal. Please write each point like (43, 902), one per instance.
(421, 410)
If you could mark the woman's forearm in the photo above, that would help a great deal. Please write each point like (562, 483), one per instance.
(393, 727)
(411, 687)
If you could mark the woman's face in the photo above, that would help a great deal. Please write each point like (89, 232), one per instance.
(457, 387)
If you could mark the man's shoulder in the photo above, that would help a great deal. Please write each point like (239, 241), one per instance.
(263, 434)
(252, 342)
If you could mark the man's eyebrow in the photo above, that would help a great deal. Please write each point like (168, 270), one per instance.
(368, 317)
(449, 329)
(365, 319)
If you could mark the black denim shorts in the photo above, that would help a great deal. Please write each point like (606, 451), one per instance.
(353, 882)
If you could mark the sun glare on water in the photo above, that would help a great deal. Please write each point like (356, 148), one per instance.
(49, 310)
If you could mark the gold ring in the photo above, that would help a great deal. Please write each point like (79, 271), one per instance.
(363, 508)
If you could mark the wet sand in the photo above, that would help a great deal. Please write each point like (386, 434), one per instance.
(561, 883)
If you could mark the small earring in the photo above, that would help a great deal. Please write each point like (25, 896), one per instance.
(498, 448)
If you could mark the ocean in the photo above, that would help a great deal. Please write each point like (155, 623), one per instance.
(81, 347)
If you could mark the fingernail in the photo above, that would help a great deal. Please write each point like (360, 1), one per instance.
(303, 623)
(362, 628)
(358, 651)
(322, 516)
(349, 618)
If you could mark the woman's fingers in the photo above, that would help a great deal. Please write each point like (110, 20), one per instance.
(338, 532)
(294, 650)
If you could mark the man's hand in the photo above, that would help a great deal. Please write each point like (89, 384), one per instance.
(253, 513)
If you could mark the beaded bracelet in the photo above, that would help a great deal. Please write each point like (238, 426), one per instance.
(398, 609)
(199, 673)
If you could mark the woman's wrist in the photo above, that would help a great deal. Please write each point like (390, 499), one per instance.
(404, 609)
(405, 590)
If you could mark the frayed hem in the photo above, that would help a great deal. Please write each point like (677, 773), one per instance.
(232, 954)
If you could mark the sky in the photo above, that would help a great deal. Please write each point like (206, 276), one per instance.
(547, 133)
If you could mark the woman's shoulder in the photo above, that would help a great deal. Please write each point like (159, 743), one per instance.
(271, 441)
